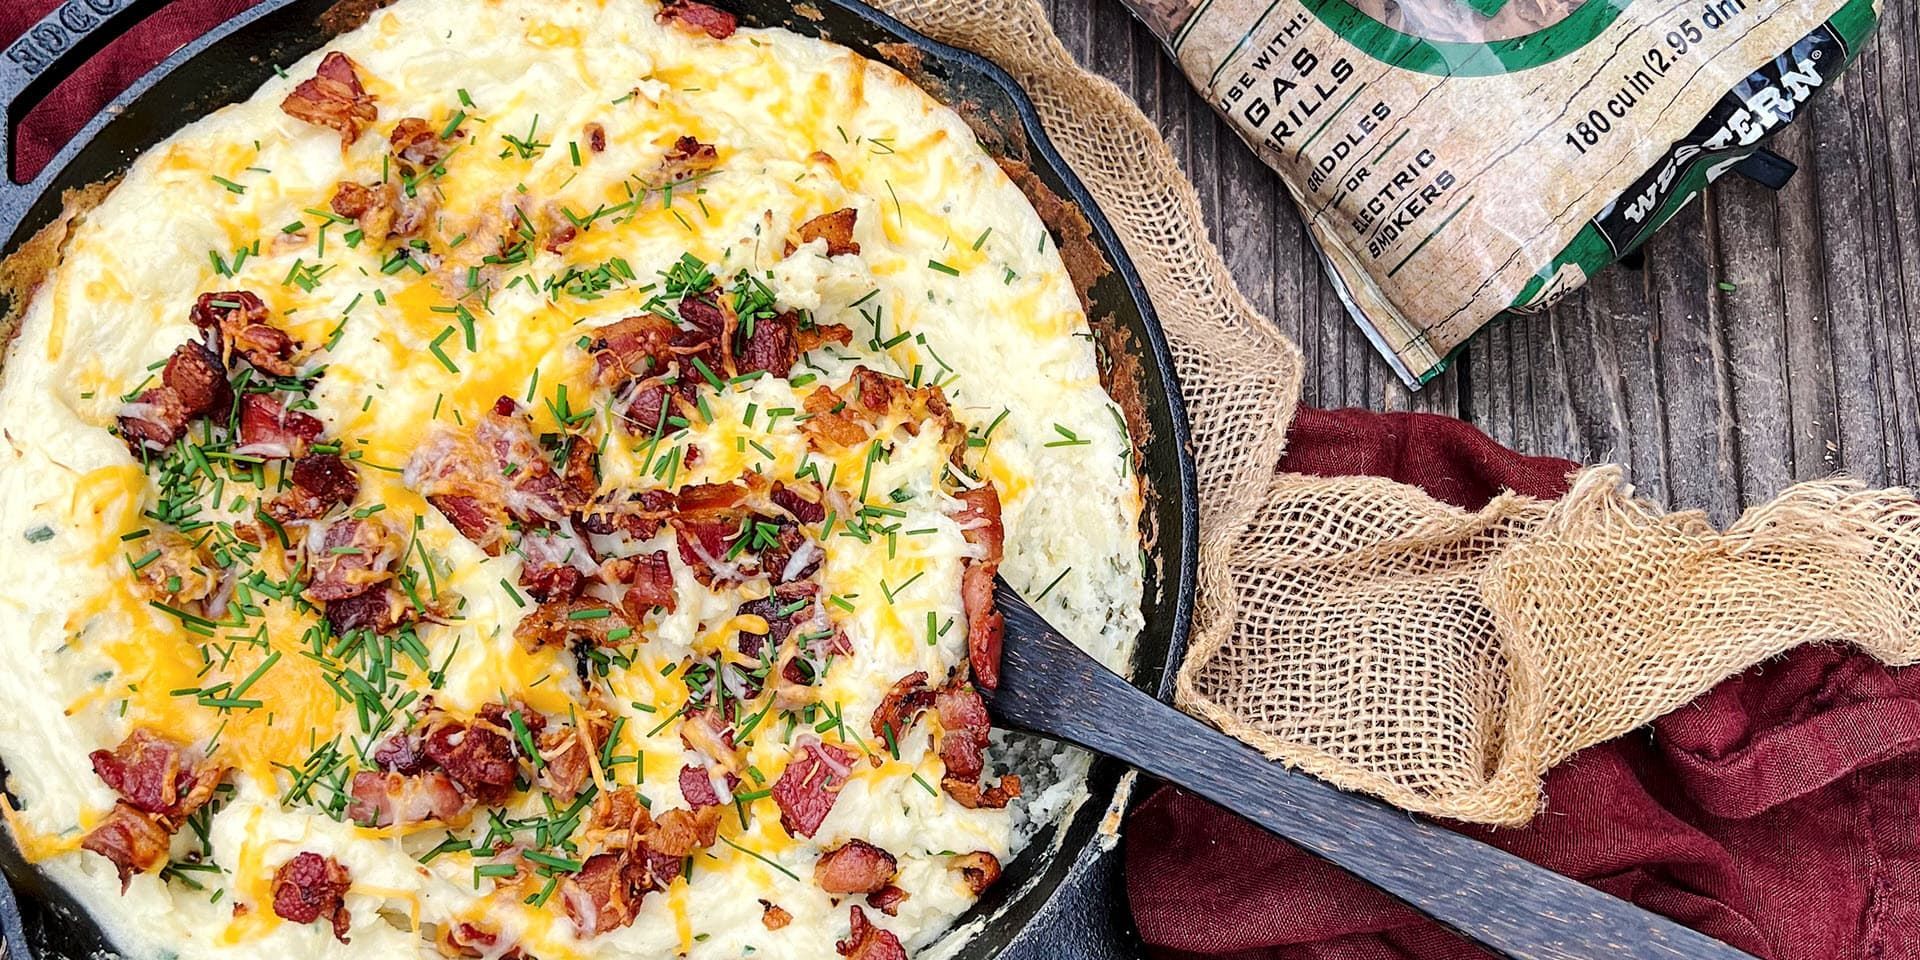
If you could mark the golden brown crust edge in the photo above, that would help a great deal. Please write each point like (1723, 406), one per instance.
(22, 273)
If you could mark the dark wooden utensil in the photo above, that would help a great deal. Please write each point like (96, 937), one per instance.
(1050, 687)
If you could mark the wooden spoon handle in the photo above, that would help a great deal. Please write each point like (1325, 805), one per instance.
(1489, 896)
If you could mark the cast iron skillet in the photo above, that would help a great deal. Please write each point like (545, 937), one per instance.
(1048, 893)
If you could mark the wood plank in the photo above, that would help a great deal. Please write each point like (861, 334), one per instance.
(1713, 398)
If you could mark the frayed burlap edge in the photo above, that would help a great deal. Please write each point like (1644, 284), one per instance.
(1445, 659)
(1388, 643)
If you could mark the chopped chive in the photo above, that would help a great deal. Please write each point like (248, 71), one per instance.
(440, 354)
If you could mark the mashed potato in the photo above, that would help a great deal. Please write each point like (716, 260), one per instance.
(577, 175)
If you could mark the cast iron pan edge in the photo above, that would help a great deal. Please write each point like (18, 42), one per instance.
(1048, 905)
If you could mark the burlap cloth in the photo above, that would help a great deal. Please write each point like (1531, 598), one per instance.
(1360, 630)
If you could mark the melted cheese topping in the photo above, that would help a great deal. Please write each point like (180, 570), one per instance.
(957, 282)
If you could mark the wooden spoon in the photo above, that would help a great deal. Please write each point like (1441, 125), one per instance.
(1050, 687)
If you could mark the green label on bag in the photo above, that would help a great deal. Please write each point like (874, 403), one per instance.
(1454, 159)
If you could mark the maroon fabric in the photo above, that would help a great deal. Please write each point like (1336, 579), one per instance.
(68, 108)
(1780, 812)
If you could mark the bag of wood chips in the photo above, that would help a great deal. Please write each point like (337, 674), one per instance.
(1455, 159)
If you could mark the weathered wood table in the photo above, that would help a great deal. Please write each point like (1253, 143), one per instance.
(1770, 338)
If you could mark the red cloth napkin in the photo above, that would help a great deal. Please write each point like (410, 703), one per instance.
(1780, 812)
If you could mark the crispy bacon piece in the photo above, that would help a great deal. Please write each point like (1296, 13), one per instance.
(133, 841)
(979, 868)
(334, 98)
(181, 572)
(309, 887)
(602, 897)
(153, 421)
(269, 348)
(152, 775)
(792, 556)
(650, 412)
(692, 15)
(554, 567)
(680, 833)
(419, 144)
(963, 744)
(192, 384)
(384, 799)
(553, 624)
(688, 156)
(377, 610)
(268, 429)
(655, 870)
(771, 346)
(195, 376)
(773, 917)
(970, 795)
(696, 786)
(372, 207)
(828, 426)
(979, 519)
(579, 473)
(784, 610)
(815, 336)
(776, 343)
(640, 515)
(403, 752)
(844, 418)
(354, 201)
(868, 942)
(705, 537)
(619, 818)
(702, 498)
(596, 137)
(240, 323)
(901, 707)
(965, 724)
(319, 483)
(479, 755)
(607, 892)
(564, 764)
(835, 228)
(649, 581)
(352, 557)
(383, 210)
(707, 337)
(636, 347)
(888, 899)
(492, 474)
(804, 500)
(808, 788)
(855, 867)
(986, 629)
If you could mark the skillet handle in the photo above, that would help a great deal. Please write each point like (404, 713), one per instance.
(49, 52)
(1512, 907)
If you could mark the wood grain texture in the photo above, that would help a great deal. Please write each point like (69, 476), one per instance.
(1506, 904)
(1716, 398)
